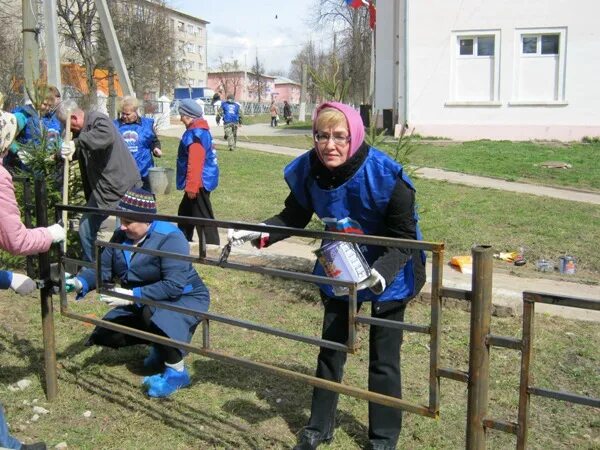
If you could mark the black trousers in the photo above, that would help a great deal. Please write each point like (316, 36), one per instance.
(385, 422)
(142, 321)
(198, 207)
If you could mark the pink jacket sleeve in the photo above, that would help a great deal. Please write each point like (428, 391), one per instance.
(14, 237)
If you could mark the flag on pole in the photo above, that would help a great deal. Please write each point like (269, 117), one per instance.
(372, 14)
(357, 3)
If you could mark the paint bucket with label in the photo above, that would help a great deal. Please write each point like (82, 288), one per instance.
(543, 265)
(343, 261)
(566, 264)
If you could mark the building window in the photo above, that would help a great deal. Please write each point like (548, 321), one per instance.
(475, 67)
(190, 29)
(180, 26)
(540, 66)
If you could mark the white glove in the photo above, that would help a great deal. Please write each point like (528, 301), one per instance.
(24, 156)
(67, 149)
(238, 237)
(375, 282)
(57, 232)
(115, 301)
(73, 285)
(22, 284)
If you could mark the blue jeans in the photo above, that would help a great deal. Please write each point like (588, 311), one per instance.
(89, 225)
(6, 440)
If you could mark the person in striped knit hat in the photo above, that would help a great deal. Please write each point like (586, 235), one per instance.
(172, 281)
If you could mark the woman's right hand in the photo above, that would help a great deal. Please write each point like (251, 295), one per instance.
(238, 237)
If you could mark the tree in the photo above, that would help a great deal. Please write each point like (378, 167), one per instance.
(229, 76)
(258, 82)
(314, 59)
(11, 63)
(146, 37)
(80, 28)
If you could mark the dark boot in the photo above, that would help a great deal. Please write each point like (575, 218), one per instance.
(310, 440)
(35, 446)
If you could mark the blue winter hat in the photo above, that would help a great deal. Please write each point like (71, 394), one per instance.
(188, 107)
(138, 200)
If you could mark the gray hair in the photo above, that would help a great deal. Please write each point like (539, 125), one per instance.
(66, 108)
(129, 100)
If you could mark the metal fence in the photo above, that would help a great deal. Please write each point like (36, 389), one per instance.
(481, 339)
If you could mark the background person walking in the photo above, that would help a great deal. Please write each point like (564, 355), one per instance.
(231, 113)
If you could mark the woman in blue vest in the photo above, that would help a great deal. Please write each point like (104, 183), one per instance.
(140, 137)
(197, 170)
(168, 280)
(354, 188)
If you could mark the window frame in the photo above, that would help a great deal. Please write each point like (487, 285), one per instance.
(455, 56)
(517, 99)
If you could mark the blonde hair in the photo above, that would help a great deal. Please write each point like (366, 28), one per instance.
(330, 118)
(129, 100)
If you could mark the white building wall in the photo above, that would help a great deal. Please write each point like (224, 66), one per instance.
(530, 97)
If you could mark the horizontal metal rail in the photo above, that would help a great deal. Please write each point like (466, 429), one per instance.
(313, 381)
(327, 235)
(501, 425)
(458, 294)
(504, 341)
(394, 324)
(565, 396)
(453, 374)
(230, 321)
(562, 300)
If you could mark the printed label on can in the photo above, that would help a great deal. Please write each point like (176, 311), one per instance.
(567, 265)
(343, 261)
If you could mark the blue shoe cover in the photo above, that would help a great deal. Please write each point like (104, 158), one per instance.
(151, 379)
(169, 382)
(154, 361)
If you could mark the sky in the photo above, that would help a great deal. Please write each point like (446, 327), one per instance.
(241, 29)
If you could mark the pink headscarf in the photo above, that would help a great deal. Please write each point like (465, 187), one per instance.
(355, 124)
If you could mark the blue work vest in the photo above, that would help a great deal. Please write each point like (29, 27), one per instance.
(210, 174)
(139, 138)
(53, 128)
(358, 206)
(32, 130)
(231, 112)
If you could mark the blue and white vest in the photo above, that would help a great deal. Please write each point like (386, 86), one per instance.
(358, 206)
(139, 138)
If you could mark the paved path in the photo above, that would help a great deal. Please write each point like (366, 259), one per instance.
(507, 289)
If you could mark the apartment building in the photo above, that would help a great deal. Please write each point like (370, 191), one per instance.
(190, 47)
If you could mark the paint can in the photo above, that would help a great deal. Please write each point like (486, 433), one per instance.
(343, 261)
(566, 264)
(543, 265)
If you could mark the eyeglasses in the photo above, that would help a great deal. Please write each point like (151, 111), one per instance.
(322, 138)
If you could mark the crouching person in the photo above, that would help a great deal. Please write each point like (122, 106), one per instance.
(155, 278)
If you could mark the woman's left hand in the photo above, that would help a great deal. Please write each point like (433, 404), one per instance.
(116, 301)
(157, 152)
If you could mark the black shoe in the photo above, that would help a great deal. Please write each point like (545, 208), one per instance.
(36, 446)
(310, 440)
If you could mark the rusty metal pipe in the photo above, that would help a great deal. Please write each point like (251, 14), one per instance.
(437, 266)
(527, 338)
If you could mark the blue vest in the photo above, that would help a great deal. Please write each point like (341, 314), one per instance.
(53, 128)
(139, 138)
(358, 206)
(231, 112)
(32, 130)
(210, 174)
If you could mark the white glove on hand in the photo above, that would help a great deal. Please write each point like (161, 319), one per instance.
(238, 237)
(115, 301)
(22, 284)
(73, 285)
(57, 232)
(24, 156)
(375, 282)
(67, 149)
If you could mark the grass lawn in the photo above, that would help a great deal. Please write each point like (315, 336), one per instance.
(232, 407)
(252, 189)
(513, 161)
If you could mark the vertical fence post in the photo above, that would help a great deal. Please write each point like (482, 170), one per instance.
(479, 355)
(436, 328)
(527, 339)
(41, 212)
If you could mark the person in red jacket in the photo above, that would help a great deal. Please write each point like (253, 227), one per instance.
(197, 171)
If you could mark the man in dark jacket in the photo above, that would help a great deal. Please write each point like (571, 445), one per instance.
(107, 168)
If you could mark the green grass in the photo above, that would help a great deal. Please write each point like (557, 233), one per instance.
(513, 161)
(252, 189)
(229, 406)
